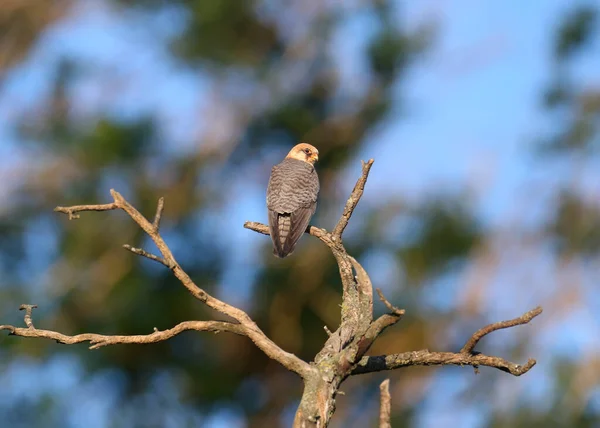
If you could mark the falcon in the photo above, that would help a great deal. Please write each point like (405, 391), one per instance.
(292, 197)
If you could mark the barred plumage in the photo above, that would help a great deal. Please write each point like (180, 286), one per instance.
(292, 198)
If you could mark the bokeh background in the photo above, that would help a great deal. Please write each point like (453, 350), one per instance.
(484, 202)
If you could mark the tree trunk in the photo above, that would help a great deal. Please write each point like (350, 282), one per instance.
(318, 401)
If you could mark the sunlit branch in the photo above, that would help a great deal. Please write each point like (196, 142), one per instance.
(99, 340)
(248, 326)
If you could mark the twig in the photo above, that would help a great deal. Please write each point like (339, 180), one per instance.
(385, 405)
(384, 321)
(28, 309)
(321, 234)
(479, 334)
(70, 211)
(394, 310)
(146, 254)
(99, 340)
(380, 324)
(352, 202)
(158, 215)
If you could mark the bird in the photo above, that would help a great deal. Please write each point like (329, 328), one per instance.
(292, 197)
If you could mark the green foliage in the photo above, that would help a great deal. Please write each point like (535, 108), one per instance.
(575, 31)
(113, 142)
(576, 226)
(227, 33)
(445, 232)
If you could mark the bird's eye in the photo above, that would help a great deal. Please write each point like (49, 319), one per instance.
(307, 151)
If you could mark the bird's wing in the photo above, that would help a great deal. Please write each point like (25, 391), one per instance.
(293, 184)
(299, 220)
(274, 232)
(291, 199)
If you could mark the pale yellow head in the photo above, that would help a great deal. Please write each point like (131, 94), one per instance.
(304, 152)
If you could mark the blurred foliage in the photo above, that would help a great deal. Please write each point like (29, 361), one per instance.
(21, 23)
(576, 136)
(575, 31)
(91, 284)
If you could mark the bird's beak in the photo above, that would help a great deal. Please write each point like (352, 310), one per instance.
(316, 157)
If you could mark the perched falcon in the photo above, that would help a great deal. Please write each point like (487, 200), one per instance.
(292, 197)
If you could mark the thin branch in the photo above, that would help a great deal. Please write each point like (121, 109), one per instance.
(146, 254)
(424, 357)
(99, 340)
(260, 228)
(380, 324)
(352, 202)
(158, 215)
(394, 310)
(375, 329)
(479, 334)
(466, 356)
(384, 321)
(321, 234)
(28, 309)
(70, 211)
(385, 405)
(250, 329)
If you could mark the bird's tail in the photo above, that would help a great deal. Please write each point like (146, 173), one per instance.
(282, 230)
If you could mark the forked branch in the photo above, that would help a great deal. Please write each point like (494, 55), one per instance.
(243, 324)
(479, 334)
(99, 340)
(465, 357)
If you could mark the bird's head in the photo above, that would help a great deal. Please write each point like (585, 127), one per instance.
(304, 152)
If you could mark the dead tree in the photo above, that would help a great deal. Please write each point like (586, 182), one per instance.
(344, 353)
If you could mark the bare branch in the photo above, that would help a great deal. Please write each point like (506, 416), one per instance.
(250, 328)
(28, 309)
(70, 211)
(384, 321)
(380, 324)
(424, 357)
(479, 334)
(99, 340)
(394, 310)
(322, 234)
(258, 227)
(385, 405)
(146, 254)
(158, 215)
(352, 202)
(466, 356)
